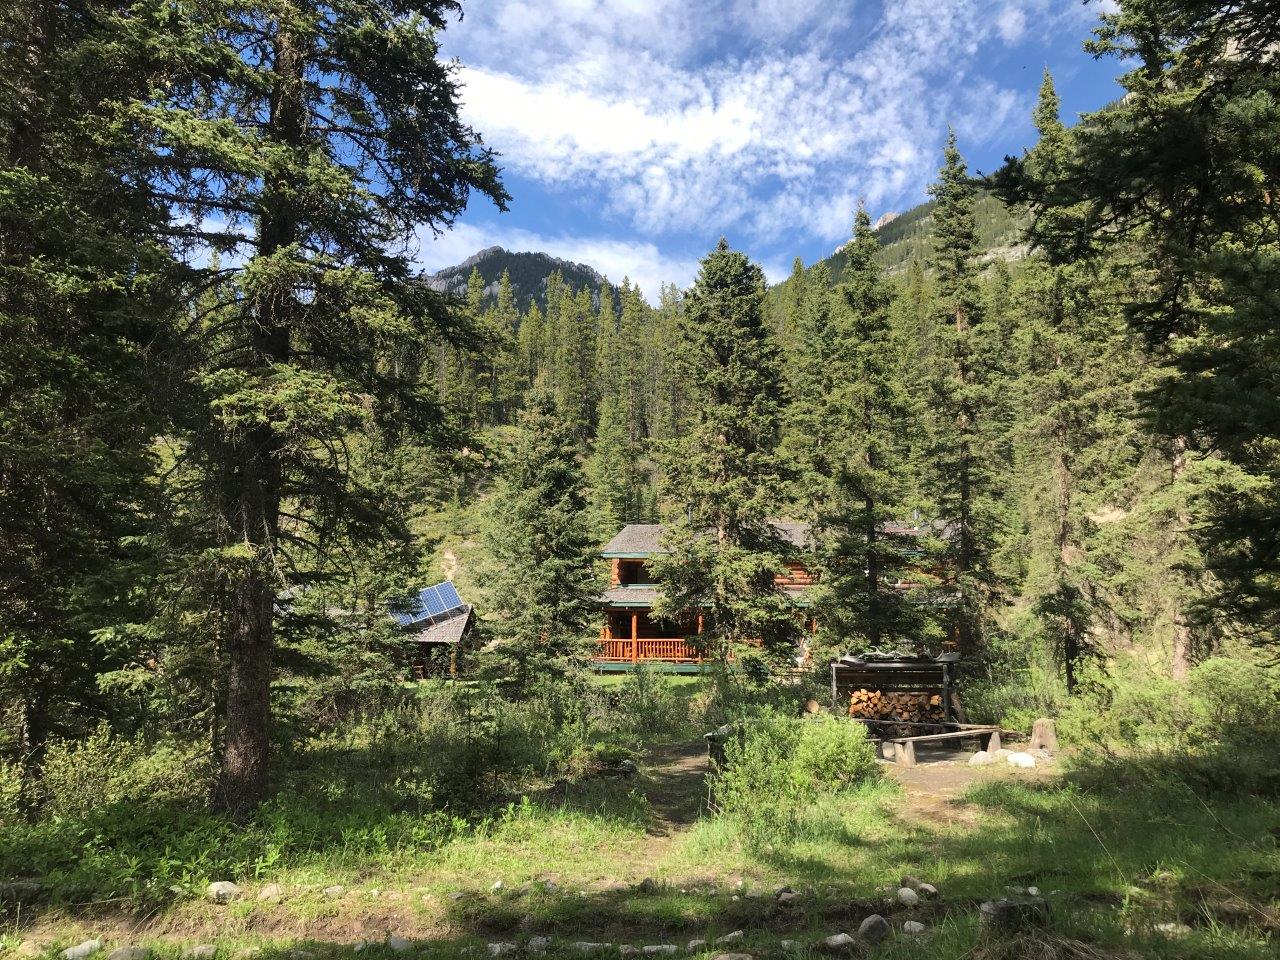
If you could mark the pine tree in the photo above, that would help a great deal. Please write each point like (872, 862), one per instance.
(617, 480)
(869, 415)
(320, 186)
(724, 477)
(1184, 168)
(960, 471)
(542, 588)
(83, 302)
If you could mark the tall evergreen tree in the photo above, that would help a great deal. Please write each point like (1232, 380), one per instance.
(322, 135)
(724, 478)
(959, 481)
(1185, 166)
(82, 299)
(543, 591)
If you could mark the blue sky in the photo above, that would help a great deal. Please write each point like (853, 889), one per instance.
(634, 133)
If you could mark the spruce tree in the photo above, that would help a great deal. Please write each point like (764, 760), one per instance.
(960, 471)
(322, 136)
(542, 590)
(724, 478)
(1180, 177)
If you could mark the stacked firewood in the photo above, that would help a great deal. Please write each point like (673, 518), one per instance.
(902, 707)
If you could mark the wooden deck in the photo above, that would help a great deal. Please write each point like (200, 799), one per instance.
(641, 650)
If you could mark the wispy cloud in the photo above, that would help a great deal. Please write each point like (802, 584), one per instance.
(641, 101)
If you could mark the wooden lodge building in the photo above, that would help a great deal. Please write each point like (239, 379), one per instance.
(631, 634)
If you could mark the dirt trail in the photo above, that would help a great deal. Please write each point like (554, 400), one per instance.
(676, 785)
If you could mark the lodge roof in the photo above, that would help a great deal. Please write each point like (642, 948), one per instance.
(645, 539)
(638, 540)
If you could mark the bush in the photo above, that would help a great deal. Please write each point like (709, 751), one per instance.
(79, 777)
(777, 767)
(10, 795)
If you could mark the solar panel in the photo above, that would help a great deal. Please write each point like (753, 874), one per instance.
(431, 604)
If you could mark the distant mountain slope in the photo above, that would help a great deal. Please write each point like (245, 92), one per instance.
(910, 235)
(529, 273)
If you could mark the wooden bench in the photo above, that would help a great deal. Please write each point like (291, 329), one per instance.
(904, 748)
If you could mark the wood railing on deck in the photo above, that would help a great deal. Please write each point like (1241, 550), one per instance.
(626, 650)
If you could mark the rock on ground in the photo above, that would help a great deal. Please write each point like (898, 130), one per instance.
(1020, 759)
(627, 950)
(693, 946)
(927, 890)
(399, 944)
(659, 949)
(913, 927)
(585, 946)
(201, 951)
(838, 943)
(980, 758)
(501, 949)
(874, 929)
(129, 953)
(1172, 927)
(538, 944)
(334, 892)
(18, 890)
(732, 956)
(271, 893)
(1014, 913)
(223, 891)
(733, 937)
(82, 950)
(907, 897)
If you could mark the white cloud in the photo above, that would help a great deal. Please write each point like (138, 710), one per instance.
(650, 103)
(646, 266)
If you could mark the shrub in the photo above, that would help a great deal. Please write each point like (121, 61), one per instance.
(10, 795)
(777, 767)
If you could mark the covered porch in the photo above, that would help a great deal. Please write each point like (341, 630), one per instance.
(634, 636)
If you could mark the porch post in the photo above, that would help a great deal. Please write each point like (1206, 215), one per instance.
(635, 636)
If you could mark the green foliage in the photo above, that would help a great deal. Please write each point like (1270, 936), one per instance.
(542, 589)
(724, 475)
(778, 767)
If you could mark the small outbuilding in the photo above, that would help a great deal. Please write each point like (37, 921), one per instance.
(437, 620)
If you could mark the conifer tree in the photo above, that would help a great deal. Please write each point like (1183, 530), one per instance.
(542, 588)
(322, 136)
(960, 471)
(1184, 168)
(724, 478)
(870, 415)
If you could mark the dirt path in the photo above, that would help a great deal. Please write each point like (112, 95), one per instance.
(676, 785)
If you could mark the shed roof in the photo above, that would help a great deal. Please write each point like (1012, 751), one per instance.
(450, 630)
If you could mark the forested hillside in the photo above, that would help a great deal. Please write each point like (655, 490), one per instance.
(529, 273)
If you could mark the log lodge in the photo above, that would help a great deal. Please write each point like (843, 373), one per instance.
(631, 634)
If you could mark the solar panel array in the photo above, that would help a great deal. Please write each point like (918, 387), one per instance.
(432, 604)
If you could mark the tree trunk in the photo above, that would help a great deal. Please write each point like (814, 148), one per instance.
(252, 503)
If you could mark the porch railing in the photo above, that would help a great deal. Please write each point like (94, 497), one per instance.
(626, 650)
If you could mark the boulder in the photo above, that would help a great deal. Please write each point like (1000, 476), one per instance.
(502, 948)
(335, 891)
(659, 949)
(647, 885)
(693, 946)
(1014, 913)
(788, 946)
(1172, 928)
(538, 944)
(733, 937)
(913, 927)
(398, 944)
(979, 759)
(907, 897)
(839, 943)
(496, 887)
(271, 893)
(1020, 759)
(627, 950)
(910, 881)
(223, 891)
(732, 956)
(201, 951)
(874, 929)
(129, 953)
(927, 890)
(788, 896)
(82, 950)
(1044, 735)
